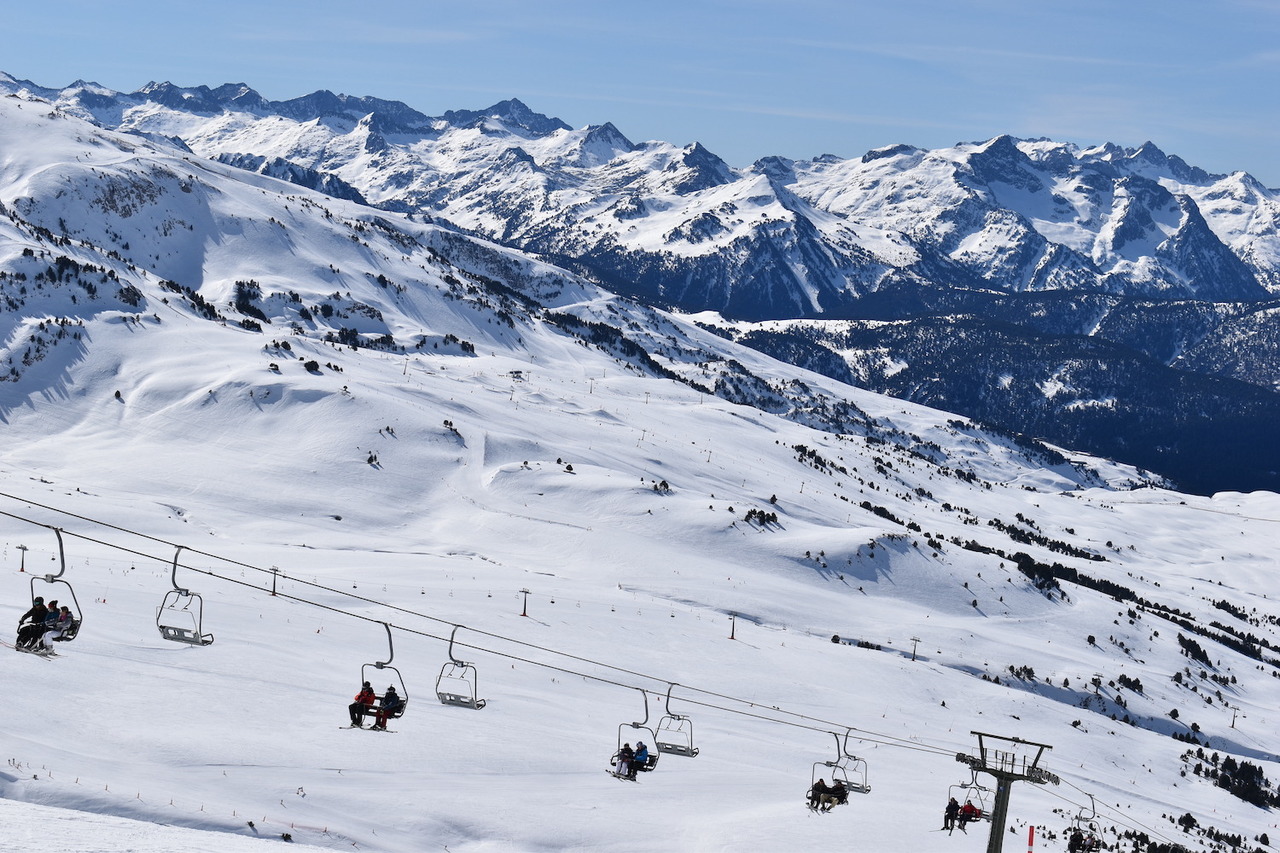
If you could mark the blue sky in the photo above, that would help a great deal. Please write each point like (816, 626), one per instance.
(747, 78)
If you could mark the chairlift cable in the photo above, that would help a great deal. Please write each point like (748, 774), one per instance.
(810, 723)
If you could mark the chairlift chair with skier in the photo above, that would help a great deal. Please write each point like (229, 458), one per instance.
(369, 670)
(53, 587)
(632, 730)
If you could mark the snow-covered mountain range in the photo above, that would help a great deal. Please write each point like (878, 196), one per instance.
(391, 421)
(1119, 301)
(772, 240)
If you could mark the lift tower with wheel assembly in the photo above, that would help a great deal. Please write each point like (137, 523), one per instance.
(1017, 761)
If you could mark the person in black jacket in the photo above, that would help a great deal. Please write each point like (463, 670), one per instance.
(33, 629)
(624, 758)
(391, 703)
(817, 793)
(949, 815)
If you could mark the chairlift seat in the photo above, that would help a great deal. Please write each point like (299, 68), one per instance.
(372, 710)
(650, 763)
(185, 635)
(674, 736)
(461, 700)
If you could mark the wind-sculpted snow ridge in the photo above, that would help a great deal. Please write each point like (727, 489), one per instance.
(411, 434)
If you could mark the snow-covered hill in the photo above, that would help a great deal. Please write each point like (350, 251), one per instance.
(1148, 283)
(392, 423)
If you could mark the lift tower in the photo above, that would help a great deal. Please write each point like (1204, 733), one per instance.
(1017, 761)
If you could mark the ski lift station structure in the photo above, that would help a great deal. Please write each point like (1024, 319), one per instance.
(180, 616)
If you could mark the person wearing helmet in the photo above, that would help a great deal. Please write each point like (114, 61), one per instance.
(362, 705)
(640, 760)
(31, 624)
(389, 707)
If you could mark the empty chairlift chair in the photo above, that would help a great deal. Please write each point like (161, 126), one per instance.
(674, 732)
(180, 616)
(456, 684)
(855, 769)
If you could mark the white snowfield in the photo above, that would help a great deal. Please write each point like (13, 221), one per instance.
(428, 491)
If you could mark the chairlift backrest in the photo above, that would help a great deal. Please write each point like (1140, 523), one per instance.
(674, 732)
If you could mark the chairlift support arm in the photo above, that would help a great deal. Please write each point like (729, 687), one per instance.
(173, 576)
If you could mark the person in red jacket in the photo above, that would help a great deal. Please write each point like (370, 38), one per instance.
(360, 707)
(968, 813)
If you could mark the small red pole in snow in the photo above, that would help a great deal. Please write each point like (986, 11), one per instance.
(1031, 838)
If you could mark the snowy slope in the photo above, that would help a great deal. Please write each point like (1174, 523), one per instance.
(425, 485)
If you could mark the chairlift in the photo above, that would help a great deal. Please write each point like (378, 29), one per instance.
(48, 590)
(180, 615)
(855, 768)
(456, 684)
(386, 665)
(637, 728)
(972, 791)
(674, 732)
(1084, 824)
(837, 773)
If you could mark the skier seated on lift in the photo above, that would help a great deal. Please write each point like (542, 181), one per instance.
(837, 795)
(641, 759)
(818, 793)
(949, 815)
(622, 761)
(363, 705)
(391, 703)
(969, 813)
(56, 625)
(31, 624)
(1076, 843)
